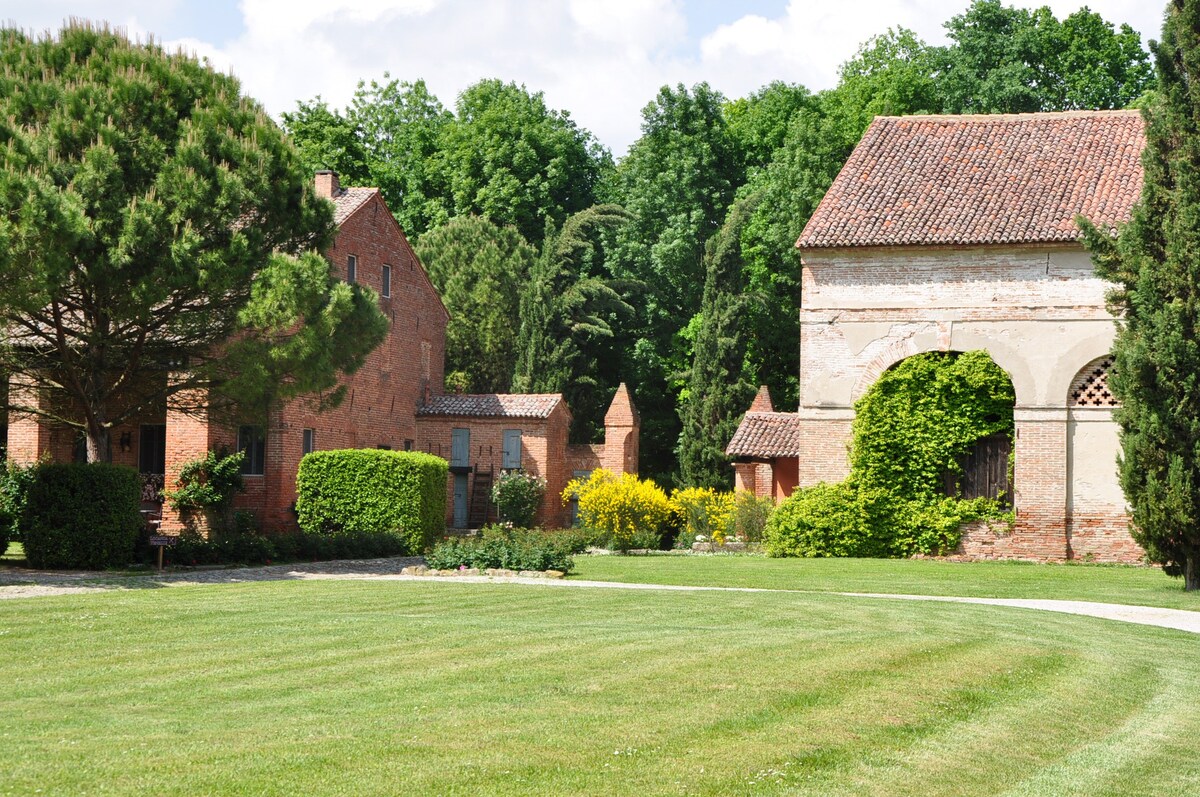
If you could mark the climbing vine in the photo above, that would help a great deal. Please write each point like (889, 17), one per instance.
(915, 424)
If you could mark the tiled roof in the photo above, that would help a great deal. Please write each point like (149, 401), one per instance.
(1012, 178)
(493, 405)
(349, 200)
(765, 435)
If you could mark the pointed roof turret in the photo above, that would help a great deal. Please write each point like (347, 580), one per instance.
(621, 411)
(762, 402)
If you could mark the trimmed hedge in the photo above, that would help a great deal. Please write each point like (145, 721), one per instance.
(82, 516)
(374, 491)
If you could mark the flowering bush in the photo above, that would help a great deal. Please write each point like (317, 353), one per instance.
(517, 495)
(626, 511)
(701, 512)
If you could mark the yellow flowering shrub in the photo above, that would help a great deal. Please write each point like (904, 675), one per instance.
(629, 512)
(702, 511)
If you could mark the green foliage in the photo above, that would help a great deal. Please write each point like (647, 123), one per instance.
(569, 309)
(478, 268)
(828, 520)
(506, 548)
(1013, 60)
(624, 512)
(150, 214)
(401, 126)
(913, 426)
(208, 483)
(15, 480)
(518, 495)
(750, 516)
(510, 158)
(325, 139)
(370, 491)
(718, 391)
(81, 516)
(1155, 265)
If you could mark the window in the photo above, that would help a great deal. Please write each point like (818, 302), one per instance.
(310, 441)
(152, 448)
(460, 448)
(351, 268)
(253, 443)
(386, 290)
(383, 447)
(408, 445)
(512, 450)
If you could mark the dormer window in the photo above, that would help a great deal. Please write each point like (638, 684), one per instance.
(351, 268)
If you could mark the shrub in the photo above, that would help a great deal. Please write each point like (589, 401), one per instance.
(82, 516)
(625, 511)
(14, 487)
(251, 548)
(701, 512)
(369, 491)
(827, 520)
(750, 515)
(517, 495)
(503, 547)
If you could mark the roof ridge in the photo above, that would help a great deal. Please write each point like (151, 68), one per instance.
(1029, 115)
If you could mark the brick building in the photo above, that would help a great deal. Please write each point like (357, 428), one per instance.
(956, 233)
(392, 402)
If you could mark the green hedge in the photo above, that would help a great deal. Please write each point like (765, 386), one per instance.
(82, 516)
(373, 491)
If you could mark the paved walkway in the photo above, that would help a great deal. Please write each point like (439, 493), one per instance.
(18, 583)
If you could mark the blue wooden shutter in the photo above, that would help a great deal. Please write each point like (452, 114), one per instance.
(512, 449)
(460, 447)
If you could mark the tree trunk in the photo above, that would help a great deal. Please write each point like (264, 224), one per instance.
(98, 448)
(1191, 573)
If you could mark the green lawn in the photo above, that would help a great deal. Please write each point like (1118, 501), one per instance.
(326, 687)
(1105, 583)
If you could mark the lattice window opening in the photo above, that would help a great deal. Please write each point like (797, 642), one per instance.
(1090, 386)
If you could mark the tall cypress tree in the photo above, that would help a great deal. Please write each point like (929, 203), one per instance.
(718, 393)
(1155, 264)
(567, 313)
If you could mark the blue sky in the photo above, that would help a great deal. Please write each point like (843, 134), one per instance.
(602, 60)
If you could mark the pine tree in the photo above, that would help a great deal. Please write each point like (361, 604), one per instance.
(567, 316)
(718, 392)
(1155, 263)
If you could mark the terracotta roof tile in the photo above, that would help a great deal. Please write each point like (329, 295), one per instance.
(765, 435)
(955, 180)
(349, 200)
(493, 405)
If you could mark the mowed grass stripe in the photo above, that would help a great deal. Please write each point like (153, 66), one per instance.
(394, 687)
(1139, 586)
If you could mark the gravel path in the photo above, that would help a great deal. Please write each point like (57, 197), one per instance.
(18, 583)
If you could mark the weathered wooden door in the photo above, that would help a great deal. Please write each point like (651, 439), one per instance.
(460, 501)
(985, 471)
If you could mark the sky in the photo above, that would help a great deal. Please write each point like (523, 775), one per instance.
(600, 60)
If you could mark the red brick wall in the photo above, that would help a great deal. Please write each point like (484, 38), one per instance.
(543, 453)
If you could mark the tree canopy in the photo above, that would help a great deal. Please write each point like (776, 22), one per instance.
(153, 221)
(1155, 264)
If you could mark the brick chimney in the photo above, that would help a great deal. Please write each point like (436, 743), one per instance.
(327, 184)
(622, 429)
(762, 402)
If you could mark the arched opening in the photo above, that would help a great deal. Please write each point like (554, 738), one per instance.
(948, 422)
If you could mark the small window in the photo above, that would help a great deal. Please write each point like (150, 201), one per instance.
(408, 445)
(386, 290)
(351, 268)
(310, 441)
(383, 447)
(253, 443)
